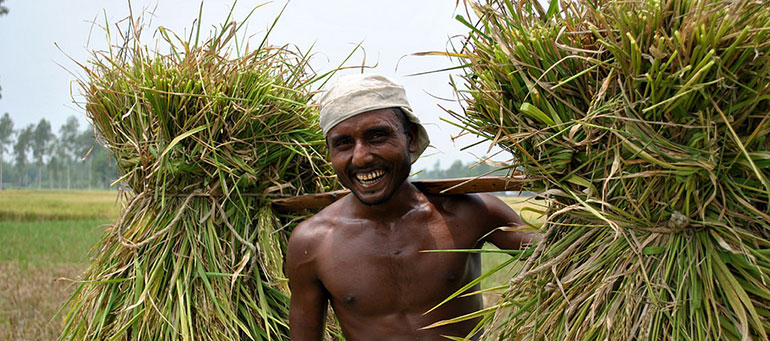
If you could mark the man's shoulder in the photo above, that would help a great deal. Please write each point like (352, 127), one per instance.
(315, 228)
(311, 230)
(481, 209)
(306, 240)
(472, 199)
(457, 202)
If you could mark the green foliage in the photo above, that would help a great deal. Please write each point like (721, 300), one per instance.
(66, 148)
(41, 140)
(21, 148)
(6, 130)
(646, 123)
(41, 145)
(74, 159)
(203, 136)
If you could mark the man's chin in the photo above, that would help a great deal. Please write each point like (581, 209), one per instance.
(373, 199)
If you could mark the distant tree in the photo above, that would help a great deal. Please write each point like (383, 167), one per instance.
(42, 140)
(20, 149)
(459, 170)
(85, 145)
(68, 146)
(105, 169)
(55, 167)
(6, 131)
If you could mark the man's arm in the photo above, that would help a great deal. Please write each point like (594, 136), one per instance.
(499, 214)
(307, 309)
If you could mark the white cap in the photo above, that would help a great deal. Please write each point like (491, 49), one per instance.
(356, 94)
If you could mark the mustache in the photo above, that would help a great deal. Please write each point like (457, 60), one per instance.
(354, 169)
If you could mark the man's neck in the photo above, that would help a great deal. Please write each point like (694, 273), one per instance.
(406, 197)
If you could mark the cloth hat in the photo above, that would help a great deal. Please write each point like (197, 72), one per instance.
(356, 94)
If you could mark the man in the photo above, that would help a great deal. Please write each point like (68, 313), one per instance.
(363, 253)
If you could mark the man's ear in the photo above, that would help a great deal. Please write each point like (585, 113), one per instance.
(412, 137)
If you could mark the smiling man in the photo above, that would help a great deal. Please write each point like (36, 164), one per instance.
(362, 253)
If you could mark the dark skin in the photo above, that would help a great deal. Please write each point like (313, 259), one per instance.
(362, 253)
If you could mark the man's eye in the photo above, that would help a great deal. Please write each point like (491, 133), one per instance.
(341, 143)
(378, 136)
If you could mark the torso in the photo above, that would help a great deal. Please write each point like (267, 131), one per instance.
(380, 283)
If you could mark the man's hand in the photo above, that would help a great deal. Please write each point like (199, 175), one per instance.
(499, 214)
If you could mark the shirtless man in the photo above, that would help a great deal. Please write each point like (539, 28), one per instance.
(362, 253)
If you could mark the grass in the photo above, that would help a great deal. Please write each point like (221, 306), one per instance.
(25, 205)
(39, 249)
(45, 243)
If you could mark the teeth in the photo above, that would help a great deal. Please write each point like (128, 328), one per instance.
(366, 177)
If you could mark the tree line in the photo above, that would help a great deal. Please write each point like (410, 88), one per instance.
(36, 157)
(458, 169)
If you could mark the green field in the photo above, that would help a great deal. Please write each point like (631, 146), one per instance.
(25, 205)
(45, 238)
(44, 243)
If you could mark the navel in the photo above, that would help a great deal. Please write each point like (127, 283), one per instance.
(396, 252)
(349, 298)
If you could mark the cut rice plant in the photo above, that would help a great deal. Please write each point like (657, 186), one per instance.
(645, 124)
(204, 136)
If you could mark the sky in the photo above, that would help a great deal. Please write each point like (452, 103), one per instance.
(41, 41)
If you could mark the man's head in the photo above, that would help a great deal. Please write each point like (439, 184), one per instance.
(372, 135)
(352, 95)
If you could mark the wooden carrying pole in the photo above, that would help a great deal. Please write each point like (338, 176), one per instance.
(445, 186)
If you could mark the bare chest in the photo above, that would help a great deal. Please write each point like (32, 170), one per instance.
(387, 270)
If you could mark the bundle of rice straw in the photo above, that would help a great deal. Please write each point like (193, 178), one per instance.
(645, 124)
(202, 139)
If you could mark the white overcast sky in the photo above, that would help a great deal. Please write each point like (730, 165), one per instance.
(37, 82)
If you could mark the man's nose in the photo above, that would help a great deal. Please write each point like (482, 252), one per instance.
(361, 154)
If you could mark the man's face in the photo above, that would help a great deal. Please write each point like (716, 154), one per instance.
(370, 154)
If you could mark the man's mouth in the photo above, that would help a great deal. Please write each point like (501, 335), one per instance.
(370, 178)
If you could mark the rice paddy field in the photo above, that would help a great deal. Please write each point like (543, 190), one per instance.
(21, 205)
(46, 237)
